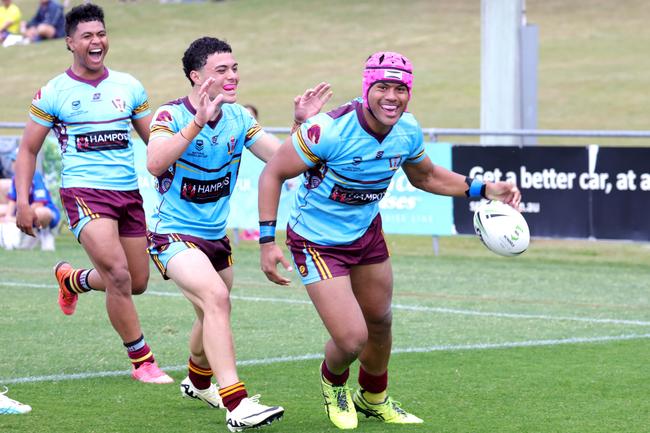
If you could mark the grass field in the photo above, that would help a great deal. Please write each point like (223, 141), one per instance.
(556, 340)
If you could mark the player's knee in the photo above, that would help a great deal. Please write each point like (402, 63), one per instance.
(118, 277)
(382, 321)
(216, 301)
(139, 284)
(353, 342)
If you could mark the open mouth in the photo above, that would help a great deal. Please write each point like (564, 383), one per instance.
(389, 109)
(96, 54)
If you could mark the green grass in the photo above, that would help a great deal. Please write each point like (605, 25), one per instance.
(476, 340)
(591, 75)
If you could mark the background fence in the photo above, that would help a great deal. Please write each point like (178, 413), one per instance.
(590, 191)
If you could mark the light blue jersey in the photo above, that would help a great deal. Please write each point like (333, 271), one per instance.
(195, 191)
(91, 120)
(351, 168)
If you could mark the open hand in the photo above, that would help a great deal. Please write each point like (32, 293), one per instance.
(208, 108)
(311, 102)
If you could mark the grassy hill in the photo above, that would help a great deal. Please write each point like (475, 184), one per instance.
(593, 74)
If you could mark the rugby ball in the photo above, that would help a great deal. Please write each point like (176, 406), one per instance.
(501, 228)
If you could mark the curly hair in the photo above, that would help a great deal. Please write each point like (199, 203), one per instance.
(82, 14)
(196, 55)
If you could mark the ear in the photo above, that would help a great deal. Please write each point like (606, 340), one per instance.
(195, 77)
(68, 39)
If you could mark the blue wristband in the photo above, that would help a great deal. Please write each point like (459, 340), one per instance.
(267, 231)
(476, 188)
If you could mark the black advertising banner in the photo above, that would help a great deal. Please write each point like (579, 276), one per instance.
(622, 212)
(554, 183)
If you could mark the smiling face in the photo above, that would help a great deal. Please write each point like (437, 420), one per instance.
(387, 102)
(223, 68)
(89, 45)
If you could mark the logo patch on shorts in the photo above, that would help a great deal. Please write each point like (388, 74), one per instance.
(345, 195)
(303, 270)
(205, 191)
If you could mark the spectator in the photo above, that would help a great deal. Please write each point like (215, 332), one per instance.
(48, 23)
(10, 16)
(40, 200)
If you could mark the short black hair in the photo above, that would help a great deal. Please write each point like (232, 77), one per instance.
(82, 14)
(196, 55)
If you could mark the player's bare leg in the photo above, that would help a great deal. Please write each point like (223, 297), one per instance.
(343, 318)
(106, 250)
(192, 271)
(373, 287)
(101, 241)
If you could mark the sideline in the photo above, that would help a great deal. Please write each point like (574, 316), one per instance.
(313, 356)
(416, 308)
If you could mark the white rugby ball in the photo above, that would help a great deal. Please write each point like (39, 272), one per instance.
(502, 229)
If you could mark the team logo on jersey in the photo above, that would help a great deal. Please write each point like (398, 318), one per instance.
(313, 134)
(37, 96)
(379, 154)
(356, 160)
(345, 195)
(102, 140)
(164, 181)
(76, 105)
(119, 104)
(214, 140)
(314, 176)
(199, 145)
(164, 116)
(394, 162)
(205, 191)
(97, 97)
(231, 145)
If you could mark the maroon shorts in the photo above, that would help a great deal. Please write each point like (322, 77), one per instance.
(85, 204)
(316, 262)
(162, 247)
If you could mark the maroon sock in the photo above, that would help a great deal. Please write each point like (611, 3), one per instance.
(334, 379)
(232, 395)
(372, 383)
(77, 282)
(199, 376)
(139, 352)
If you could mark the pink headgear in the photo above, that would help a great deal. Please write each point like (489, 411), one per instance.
(386, 66)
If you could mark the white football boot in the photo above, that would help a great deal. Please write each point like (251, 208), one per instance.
(210, 395)
(251, 414)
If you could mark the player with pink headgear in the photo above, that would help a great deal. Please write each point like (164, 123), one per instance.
(348, 157)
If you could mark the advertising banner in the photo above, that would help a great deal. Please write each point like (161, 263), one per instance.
(575, 192)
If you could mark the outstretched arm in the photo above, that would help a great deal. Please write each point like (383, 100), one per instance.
(435, 179)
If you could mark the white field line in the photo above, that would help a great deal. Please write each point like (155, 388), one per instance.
(417, 308)
(312, 356)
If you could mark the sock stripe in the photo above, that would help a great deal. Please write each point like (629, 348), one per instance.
(200, 371)
(141, 359)
(229, 390)
(73, 282)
